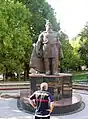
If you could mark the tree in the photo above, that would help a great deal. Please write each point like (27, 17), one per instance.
(15, 37)
(67, 51)
(77, 60)
(83, 50)
(40, 11)
(72, 59)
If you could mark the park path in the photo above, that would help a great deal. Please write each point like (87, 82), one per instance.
(9, 109)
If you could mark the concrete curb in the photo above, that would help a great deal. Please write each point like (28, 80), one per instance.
(14, 85)
(26, 85)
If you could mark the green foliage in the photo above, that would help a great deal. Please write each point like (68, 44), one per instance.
(14, 34)
(83, 50)
(40, 11)
(71, 58)
(75, 43)
(67, 51)
(21, 22)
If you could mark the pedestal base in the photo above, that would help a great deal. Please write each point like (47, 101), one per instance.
(59, 85)
(63, 106)
(61, 89)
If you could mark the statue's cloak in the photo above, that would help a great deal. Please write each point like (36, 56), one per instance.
(36, 61)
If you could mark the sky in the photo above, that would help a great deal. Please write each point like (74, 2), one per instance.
(72, 14)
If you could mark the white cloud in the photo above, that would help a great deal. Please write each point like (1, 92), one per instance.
(72, 14)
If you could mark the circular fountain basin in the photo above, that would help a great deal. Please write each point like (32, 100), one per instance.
(60, 87)
(63, 106)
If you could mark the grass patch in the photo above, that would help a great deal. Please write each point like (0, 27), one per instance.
(80, 77)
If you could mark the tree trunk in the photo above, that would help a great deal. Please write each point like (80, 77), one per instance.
(3, 76)
(6, 74)
(25, 75)
(26, 72)
(18, 76)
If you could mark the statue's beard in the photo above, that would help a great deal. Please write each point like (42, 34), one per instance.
(49, 30)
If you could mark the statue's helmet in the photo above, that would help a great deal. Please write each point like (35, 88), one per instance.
(48, 24)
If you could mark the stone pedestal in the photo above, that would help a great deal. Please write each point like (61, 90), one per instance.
(59, 86)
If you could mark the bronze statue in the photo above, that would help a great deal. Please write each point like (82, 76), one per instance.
(47, 52)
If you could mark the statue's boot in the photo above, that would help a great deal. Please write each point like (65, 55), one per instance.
(56, 73)
(47, 68)
(47, 72)
(55, 66)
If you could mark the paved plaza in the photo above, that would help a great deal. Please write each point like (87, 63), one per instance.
(9, 109)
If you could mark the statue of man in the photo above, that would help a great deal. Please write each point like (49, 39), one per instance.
(48, 49)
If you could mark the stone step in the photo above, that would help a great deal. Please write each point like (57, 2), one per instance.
(14, 85)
